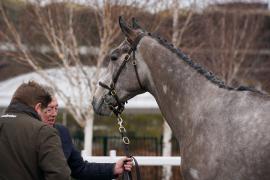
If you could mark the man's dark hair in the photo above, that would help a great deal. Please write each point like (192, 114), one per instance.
(32, 93)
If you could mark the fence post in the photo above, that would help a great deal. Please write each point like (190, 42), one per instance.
(105, 146)
(112, 154)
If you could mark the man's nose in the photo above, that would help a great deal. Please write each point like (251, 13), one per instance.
(54, 112)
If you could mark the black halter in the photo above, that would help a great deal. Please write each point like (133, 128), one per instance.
(117, 110)
(121, 105)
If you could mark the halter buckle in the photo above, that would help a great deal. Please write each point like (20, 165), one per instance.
(134, 63)
(127, 57)
(113, 92)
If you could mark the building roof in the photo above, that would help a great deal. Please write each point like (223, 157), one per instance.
(64, 83)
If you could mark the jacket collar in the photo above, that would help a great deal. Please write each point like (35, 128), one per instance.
(18, 107)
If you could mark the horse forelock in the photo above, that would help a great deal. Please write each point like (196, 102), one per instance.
(200, 69)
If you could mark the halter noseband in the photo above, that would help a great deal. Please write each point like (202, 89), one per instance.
(112, 92)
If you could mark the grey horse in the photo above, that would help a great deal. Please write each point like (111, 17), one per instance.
(223, 132)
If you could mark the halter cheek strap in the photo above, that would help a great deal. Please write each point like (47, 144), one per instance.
(132, 50)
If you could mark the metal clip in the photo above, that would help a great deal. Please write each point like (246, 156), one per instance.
(119, 117)
(122, 129)
(120, 120)
(126, 140)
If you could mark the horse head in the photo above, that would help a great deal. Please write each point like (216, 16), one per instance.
(124, 76)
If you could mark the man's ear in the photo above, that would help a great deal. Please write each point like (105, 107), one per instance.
(38, 108)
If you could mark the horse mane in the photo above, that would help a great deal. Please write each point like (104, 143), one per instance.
(207, 74)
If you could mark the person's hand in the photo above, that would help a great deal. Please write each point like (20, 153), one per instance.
(121, 165)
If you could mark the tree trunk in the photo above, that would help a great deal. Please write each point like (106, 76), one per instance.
(88, 134)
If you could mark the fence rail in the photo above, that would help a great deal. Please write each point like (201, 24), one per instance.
(146, 150)
(142, 160)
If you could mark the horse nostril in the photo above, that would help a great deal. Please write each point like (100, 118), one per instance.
(93, 101)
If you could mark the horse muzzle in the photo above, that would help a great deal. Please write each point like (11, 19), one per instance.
(100, 107)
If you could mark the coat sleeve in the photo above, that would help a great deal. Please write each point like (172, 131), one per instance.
(81, 169)
(50, 155)
(84, 170)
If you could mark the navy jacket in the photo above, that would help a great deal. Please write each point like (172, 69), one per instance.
(81, 169)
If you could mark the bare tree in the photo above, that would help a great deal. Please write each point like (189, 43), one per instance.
(56, 41)
(56, 29)
(231, 42)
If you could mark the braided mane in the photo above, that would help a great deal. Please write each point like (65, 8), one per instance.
(207, 74)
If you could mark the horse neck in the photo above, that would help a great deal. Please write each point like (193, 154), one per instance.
(173, 83)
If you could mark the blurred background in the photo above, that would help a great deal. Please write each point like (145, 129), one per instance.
(65, 44)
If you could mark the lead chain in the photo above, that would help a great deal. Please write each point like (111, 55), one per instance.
(122, 130)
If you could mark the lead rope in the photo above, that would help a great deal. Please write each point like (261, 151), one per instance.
(125, 140)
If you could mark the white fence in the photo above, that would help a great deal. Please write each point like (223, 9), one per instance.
(142, 160)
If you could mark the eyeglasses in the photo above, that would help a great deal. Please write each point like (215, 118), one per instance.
(51, 110)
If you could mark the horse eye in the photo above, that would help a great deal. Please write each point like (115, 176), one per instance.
(114, 56)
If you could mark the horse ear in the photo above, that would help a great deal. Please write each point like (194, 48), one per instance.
(135, 24)
(129, 32)
(124, 27)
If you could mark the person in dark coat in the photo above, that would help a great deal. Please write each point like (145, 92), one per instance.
(29, 149)
(81, 169)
